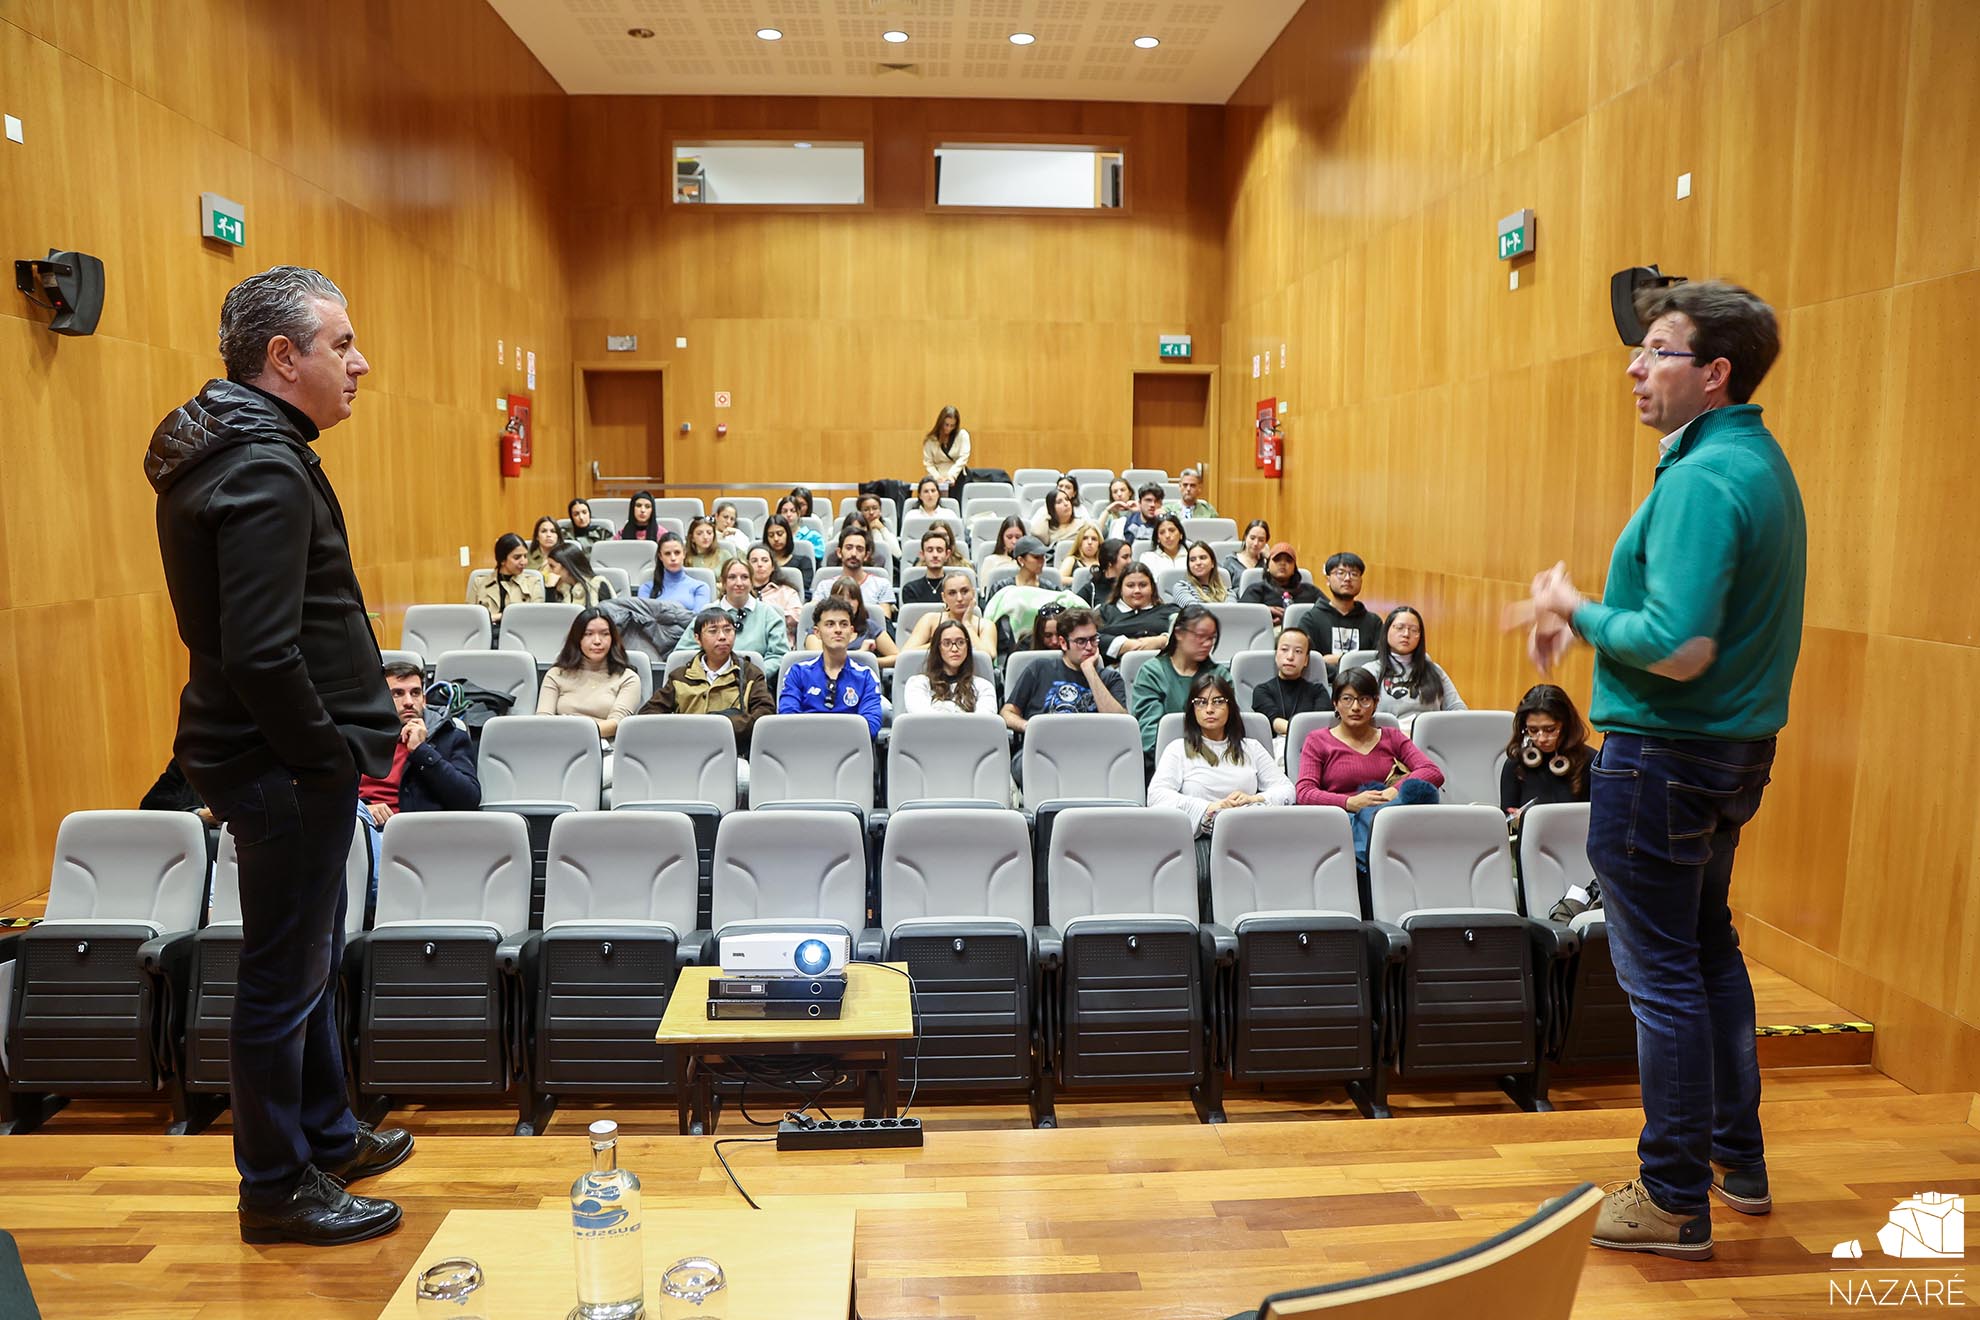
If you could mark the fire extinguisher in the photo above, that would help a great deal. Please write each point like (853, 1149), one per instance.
(512, 448)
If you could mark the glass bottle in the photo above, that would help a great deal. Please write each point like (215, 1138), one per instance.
(611, 1279)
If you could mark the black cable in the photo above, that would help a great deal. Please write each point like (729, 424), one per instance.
(914, 1015)
(724, 1160)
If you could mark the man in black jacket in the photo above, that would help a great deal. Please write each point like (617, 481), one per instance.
(1342, 624)
(1281, 586)
(284, 706)
(433, 765)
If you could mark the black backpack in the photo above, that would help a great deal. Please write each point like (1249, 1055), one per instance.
(474, 705)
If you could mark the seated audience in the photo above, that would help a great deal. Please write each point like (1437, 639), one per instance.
(927, 497)
(959, 601)
(1115, 556)
(671, 580)
(1193, 505)
(759, 627)
(1361, 766)
(1070, 485)
(1120, 503)
(704, 549)
(1079, 684)
(1141, 522)
(1546, 762)
(1340, 623)
(1203, 581)
(774, 591)
(1251, 554)
(592, 678)
(778, 540)
(433, 765)
(641, 525)
(874, 588)
(807, 536)
(1167, 551)
(1161, 686)
(869, 632)
(1289, 692)
(1058, 520)
(545, 538)
(513, 583)
(570, 578)
(1411, 682)
(1214, 768)
(926, 586)
(583, 530)
(728, 530)
(1045, 629)
(885, 546)
(1282, 585)
(1132, 619)
(945, 449)
(800, 498)
(714, 679)
(1085, 553)
(1018, 601)
(1009, 533)
(950, 682)
(828, 682)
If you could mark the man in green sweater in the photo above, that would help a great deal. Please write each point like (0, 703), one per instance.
(1696, 638)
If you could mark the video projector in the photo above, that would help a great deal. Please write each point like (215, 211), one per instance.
(784, 953)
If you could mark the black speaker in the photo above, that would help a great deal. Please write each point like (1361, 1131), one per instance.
(1623, 288)
(70, 284)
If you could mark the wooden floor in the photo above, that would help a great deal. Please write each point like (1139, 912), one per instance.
(1096, 1220)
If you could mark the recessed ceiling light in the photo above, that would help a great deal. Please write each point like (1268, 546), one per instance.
(1148, 43)
(1022, 38)
(644, 34)
(769, 34)
(894, 36)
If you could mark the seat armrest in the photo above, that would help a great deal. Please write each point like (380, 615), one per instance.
(695, 948)
(1051, 947)
(1388, 945)
(870, 944)
(509, 955)
(1551, 943)
(1219, 943)
(163, 954)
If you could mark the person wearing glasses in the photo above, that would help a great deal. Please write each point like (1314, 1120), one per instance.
(1078, 684)
(715, 680)
(1340, 622)
(1161, 686)
(1213, 767)
(959, 603)
(1696, 639)
(1411, 681)
(950, 683)
(828, 682)
(1361, 766)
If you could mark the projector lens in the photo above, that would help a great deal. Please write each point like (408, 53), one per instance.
(813, 957)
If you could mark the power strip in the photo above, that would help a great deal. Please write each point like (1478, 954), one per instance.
(848, 1133)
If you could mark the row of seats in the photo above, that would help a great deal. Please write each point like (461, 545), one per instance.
(1072, 951)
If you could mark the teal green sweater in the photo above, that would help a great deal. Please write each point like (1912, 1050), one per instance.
(1719, 551)
(1159, 690)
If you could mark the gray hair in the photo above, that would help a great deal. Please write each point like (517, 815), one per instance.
(279, 301)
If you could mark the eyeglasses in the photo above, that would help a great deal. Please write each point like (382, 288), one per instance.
(1354, 699)
(1650, 357)
(1083, 643)
(1209, 703)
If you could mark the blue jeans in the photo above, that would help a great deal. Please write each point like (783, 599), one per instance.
(1409, 793)
(1664, 824)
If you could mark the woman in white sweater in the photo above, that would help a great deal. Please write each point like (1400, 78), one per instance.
(945, 449)
(1213, 767)
(950, 683)
(592, 678)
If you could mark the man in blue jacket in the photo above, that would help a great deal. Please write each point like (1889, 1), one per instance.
(828, 682)
(433, 763)
(1696, 638)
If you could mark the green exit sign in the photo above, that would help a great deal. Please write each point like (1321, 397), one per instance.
(1175, 348)
(223, 219)
(1516, 235)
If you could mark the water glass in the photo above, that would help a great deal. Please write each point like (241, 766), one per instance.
(693, 1289)
(452, 1289)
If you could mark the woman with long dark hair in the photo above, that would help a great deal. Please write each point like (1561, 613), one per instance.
(1115, 556)
(928, 497)
(777, 594)
(1411, 682)
(641, 525)
(570, 578)
(1161, 686)
(945, 449)
(1548, 757)
(1257, 540)
(1170, 538)
(1213, 767)
(950, 682)
(592, 678)
(1059, 519)
(513, 583)
(1009, 533)
(1133, 619)
(584, 530)
(782, 545)
(787, 510)
(543, 538)
(1202, 582)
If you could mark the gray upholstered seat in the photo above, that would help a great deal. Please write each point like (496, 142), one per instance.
(511, 673)
(1469, 746)
(436, 629)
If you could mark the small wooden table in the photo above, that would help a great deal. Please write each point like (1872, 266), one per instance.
(792, 1264)
(876, 1018)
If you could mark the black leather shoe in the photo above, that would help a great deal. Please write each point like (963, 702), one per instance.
(318, 1213)
(376, 1152)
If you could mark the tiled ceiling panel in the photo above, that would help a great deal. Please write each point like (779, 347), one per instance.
(956, 48)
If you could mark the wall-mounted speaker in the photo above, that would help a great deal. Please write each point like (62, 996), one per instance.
(1624, 285)
(70, 284)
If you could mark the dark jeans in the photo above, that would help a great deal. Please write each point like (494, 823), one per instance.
(287, 1071)
(1664, 824)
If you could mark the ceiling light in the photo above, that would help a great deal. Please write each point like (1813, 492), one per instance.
(644, 34)
(1148, 43)
(1022, 38)
(769, 34)
(894, 36)
(802, 146)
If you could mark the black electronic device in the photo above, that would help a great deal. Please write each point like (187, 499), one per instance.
(1624, 285)
(823, 989)
(70, 284)
(806, 1133)
(773, 1010)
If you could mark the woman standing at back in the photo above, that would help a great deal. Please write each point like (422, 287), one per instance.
(945, 449)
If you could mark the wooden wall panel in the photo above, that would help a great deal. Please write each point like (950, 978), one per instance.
(840, 336)
(412, 152)
(1461, 434)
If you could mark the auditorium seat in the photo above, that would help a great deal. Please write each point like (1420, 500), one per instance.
(939, 754)
(1469, 746)
(1083, 756)
(1240, 627)
(1122, 976)
(811, 758)
(539, 629)
(436, 629)
(750, 508)
(797, 869)
(511, 673)
(1594, 1024)
(611, 508)
(94, 984)
(1089, 475)
(620, 893)
(1360, 660)
(388, 656)
(538, 767)
(633, 558)
(684, 507)
(678, 763)
(438, 1004)
(956, 906)
(211, 985)
(1033, 477)
(1211, 528)
(1475, 984)
(1139, 477)
(1131, 664)
(1302, 978)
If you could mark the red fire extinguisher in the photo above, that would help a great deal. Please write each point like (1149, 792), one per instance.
(512, 448)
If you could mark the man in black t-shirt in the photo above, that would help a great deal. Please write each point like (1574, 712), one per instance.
(1342, 624)
(1078, 685)
(935, 560)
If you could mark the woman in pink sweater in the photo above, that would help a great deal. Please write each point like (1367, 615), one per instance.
(1349, 765)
